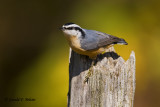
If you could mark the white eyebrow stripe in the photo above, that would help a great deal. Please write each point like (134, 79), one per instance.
(72, 25)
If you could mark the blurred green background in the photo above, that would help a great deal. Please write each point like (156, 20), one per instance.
(34, 53)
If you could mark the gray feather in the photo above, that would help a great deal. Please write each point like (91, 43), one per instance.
(94, 40)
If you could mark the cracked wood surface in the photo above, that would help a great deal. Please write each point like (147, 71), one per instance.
(112, 83)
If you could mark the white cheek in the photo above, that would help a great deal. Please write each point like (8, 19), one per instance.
(73, 33)
(67, 32)
(78, 34)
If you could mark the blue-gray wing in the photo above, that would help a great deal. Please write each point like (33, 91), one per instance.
(94, 40)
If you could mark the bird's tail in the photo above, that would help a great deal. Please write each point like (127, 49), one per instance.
(122, 42)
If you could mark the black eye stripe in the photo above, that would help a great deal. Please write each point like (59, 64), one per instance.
(76, 28)
(73, 28)
(70, 28)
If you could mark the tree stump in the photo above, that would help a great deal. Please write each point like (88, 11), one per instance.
(112, 83)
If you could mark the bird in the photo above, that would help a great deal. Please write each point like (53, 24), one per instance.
(89, 42)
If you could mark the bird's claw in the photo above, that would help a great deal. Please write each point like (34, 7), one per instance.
(89, 72)
(88, 75)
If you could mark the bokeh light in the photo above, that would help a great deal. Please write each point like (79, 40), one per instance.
(34, 54)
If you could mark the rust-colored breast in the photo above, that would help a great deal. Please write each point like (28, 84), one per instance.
(74, 43)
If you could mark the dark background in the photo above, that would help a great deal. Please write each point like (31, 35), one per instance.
(34, 53)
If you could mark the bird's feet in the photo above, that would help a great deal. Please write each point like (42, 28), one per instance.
(90, 72)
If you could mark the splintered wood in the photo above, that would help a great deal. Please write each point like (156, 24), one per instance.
(111, 84)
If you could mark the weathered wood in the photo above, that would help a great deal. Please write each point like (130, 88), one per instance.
(112, 83)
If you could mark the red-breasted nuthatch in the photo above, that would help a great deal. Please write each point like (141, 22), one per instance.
(89, 42)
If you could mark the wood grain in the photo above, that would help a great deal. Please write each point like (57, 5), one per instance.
(112, 83)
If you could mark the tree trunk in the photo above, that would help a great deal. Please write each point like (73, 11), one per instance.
(111, 84)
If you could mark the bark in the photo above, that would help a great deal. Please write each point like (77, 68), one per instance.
(111, 84)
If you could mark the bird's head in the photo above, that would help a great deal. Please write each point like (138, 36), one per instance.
(72, 29)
